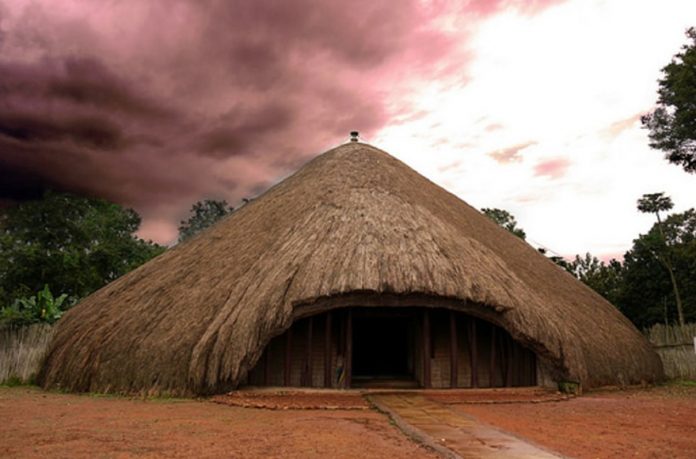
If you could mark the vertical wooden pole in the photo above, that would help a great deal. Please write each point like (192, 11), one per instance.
(534, 369)
(267, 365)
(327, 351)
(503, 359)
(426, 349)
(473, 352)
(308, 366)
(514, 364)
(349, 349)
(288, 356)
(491, 367)
(454, 350)
(510, 362)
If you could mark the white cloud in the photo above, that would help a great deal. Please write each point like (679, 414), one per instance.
(561, 79)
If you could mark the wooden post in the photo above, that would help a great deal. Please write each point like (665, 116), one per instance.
(308, 366)
(454, 350)
(491, 368)
(288, 356)
(426, 349)
(510, 362)
(267, 365)
(534, 369)
(327, 351)
(473, 352)
(514, 364)
(503, 359)
(349, 349)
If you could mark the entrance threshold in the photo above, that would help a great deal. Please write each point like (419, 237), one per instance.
(383, 382)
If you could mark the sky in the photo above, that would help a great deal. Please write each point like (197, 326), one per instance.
(529, 106)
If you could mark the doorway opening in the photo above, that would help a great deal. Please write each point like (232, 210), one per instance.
(383, 345)
(394, 347)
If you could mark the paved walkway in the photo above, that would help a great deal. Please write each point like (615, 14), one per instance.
(450, 432)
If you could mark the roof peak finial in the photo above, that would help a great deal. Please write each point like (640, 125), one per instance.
(354, 136)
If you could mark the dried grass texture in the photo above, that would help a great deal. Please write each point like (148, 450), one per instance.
(353, 220)
(22, 351)
(676, 346)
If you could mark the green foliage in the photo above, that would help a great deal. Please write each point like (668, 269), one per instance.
(647, 295)
(42, 307)
(74, 244)
(683, 383)
(642, 288)
(654, 203)
(662, 248)
(504, 219)
(14, 381)
(605, 279)
(203, 214)
(672, 125)
(570, 388)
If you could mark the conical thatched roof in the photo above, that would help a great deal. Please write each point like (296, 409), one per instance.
(352, 221)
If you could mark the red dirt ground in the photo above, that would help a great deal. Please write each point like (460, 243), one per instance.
(45, 424)
(494, 396)
(644, 423)
(294, 400)
(639, 423)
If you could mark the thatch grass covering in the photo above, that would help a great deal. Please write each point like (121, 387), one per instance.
(22, 350)
(675, 346)
(353, 220)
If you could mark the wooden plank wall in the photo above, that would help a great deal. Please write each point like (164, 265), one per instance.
(499, 360)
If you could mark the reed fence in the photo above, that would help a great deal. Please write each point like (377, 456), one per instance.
(22, 351)
(675, 345)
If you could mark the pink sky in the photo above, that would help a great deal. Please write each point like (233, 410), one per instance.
(528, 106)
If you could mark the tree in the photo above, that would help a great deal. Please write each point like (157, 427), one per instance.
(672, 125)
(204, 214)
(73, 244)
(604, 278)
(656, 203)
(647, 295)
(504, 219)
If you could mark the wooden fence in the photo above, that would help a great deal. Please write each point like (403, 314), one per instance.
(675, 345)
(22, 351)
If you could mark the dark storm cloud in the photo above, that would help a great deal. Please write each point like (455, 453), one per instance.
(157, 104)
(73, 102)
(238, 130)
(58, 116)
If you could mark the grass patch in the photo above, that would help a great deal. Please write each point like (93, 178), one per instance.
(15, 381)
(683, 383)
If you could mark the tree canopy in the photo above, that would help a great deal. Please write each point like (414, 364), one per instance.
(648, 294)
(662, 249)
(604, 278)
(641, 287)
(75, 245)
(672, 125)
(654, 203)
(203, 214)
(504, 219)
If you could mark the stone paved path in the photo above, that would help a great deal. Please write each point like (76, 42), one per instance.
(452, 433)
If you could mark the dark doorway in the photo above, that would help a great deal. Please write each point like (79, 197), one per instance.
(395, 347)
(383, 347)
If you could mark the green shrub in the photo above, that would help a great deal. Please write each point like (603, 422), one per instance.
(40, 308)
(570, 388)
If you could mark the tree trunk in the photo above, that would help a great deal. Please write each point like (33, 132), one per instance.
(677, 297)
(668, 264)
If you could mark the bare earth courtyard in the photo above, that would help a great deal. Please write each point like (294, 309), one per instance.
(654, 422)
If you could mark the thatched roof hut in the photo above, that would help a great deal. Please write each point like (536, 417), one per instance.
(353, 227)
